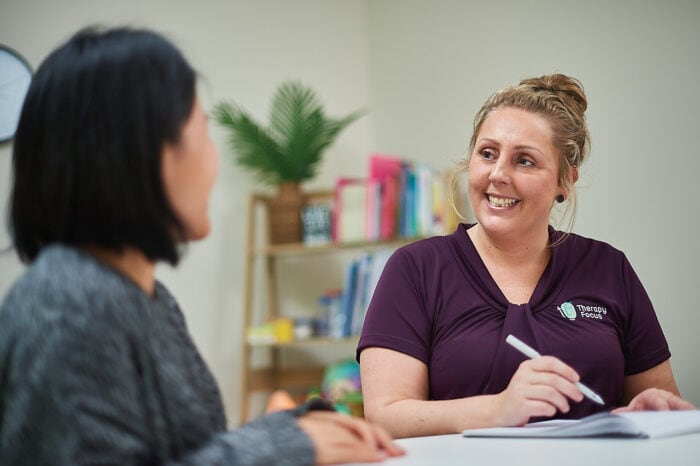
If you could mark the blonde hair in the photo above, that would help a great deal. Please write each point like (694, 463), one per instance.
(561, 100)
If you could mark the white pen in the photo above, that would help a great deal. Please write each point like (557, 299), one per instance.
(532, 354)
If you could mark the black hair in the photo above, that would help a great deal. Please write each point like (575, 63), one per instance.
(87, 151)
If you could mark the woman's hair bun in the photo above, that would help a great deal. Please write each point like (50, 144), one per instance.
(564, 86)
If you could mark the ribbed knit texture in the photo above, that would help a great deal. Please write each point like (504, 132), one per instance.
(94, 371)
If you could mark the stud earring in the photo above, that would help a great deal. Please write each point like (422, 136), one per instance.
(560, 198)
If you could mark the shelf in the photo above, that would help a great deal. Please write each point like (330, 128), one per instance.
(300, 249)
(262, 275)
(307, 342)
(299, 377)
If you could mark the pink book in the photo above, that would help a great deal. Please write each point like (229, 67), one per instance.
(387, 170)
(373, 209)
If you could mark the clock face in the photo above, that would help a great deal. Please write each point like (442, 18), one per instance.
(15, 76)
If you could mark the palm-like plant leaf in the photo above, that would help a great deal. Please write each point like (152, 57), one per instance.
(291, 148)
(254, 147)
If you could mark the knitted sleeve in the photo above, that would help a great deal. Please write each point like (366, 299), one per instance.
(71, 397)
(79, 387)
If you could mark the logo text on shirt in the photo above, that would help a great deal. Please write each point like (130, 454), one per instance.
(569, 311)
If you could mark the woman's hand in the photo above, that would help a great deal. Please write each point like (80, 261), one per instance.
(339, 438)
(539, 388)
(655, 399)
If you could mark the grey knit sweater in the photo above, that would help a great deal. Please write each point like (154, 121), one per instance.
(94, 371)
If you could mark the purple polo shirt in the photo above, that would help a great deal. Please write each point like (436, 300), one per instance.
(437, 302)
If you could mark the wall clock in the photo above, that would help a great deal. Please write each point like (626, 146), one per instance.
(15, 76)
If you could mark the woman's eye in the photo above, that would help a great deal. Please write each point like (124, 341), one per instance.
(488, 154)
(525, 163)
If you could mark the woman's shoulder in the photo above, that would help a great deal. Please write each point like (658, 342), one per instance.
(432, 244)
(578, 240)
(422, 250)
(436, 252)
(580, 248)
(65, 290)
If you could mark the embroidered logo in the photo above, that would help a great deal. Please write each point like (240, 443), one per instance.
(567, 310)
(572, 311)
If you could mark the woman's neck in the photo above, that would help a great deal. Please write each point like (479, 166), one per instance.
(515, 265)
(531, 249)
(131, 263)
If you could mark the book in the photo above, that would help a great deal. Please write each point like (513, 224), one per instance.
(373, 210)
(347, 300)
(634, 424)
(439, 205)
(359, 304)
(349, 210)
(379, 260)
(385, 170)
(407, 213)
(424, 200)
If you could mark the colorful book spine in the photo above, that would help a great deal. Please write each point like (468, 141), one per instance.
(386, 170)
(349, 213)
(398, 198)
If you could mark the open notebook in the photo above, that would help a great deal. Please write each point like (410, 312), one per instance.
(637, 424)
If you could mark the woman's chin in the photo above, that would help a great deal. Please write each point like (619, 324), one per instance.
(199, 232)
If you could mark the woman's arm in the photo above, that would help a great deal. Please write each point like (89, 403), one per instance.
(82, 395)
(395, 391)
(653, 389)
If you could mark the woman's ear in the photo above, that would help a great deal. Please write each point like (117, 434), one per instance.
(573, 174)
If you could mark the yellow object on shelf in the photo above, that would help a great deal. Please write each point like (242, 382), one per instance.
(284, 330)
(261, 334)
(279, 330)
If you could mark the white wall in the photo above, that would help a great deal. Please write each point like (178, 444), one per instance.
(424, 68)
(433, 64)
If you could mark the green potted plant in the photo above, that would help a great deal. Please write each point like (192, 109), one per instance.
(285, 153)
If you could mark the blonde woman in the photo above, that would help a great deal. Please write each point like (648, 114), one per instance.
(433, 354)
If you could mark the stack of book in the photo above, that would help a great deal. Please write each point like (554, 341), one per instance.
(397, 199)
(346, 311)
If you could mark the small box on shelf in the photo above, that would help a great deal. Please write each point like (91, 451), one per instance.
(279, 330)
(316, 224)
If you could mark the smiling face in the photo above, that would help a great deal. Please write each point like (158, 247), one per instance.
(513, 175)
(189, 169)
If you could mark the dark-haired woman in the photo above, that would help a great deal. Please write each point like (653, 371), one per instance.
(113, 168)
(433, 350)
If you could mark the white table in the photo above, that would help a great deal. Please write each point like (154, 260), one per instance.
(449, 450)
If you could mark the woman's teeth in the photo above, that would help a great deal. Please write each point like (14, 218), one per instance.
(502, 202)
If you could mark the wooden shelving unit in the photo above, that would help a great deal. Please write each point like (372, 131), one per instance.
(260, 253)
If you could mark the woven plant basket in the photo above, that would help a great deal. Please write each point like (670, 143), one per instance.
(285, 214)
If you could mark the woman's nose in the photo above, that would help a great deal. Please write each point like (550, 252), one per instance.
(500, 172)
